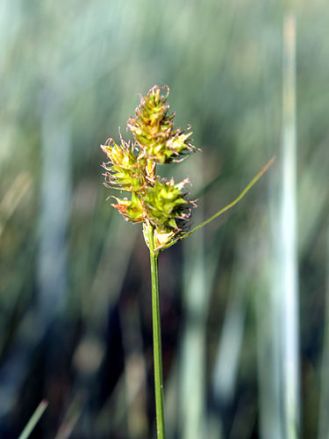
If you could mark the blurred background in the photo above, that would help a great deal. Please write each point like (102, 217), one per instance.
(245, 310)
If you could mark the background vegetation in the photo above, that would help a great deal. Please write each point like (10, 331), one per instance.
(75, 313)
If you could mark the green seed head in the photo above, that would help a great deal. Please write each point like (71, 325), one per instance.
(166, 205)
(153, 129)
(125, 170)
(159, 203)
(131, 210)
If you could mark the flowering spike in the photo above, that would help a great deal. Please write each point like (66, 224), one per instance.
(125, 170)
(153, 129)
(167, 207)
(159, 203)
(131, 210)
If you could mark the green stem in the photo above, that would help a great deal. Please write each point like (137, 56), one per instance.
(229, 206)
(157, 349)
(34, 420)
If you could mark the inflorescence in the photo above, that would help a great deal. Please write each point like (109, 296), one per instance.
(154, 201)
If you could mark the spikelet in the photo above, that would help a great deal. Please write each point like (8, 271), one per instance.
(153, 129)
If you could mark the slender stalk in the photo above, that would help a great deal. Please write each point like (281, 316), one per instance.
(39, 411)
(157, 349)
(229, 206)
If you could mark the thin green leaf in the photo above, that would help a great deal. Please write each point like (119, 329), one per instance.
(39, 411)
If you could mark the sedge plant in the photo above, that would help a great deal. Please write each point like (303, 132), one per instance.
(161, 205)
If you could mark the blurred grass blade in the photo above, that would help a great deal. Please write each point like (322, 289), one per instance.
(192, 354)
(13, 197)
(107, 284)
(230, 341)
(55, 211)
(71, 417)
(39, 411)
(288, 238)
(268, 318)
(135, 371)
(324, 387)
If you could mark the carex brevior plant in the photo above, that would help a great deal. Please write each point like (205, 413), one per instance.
(161, 205)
